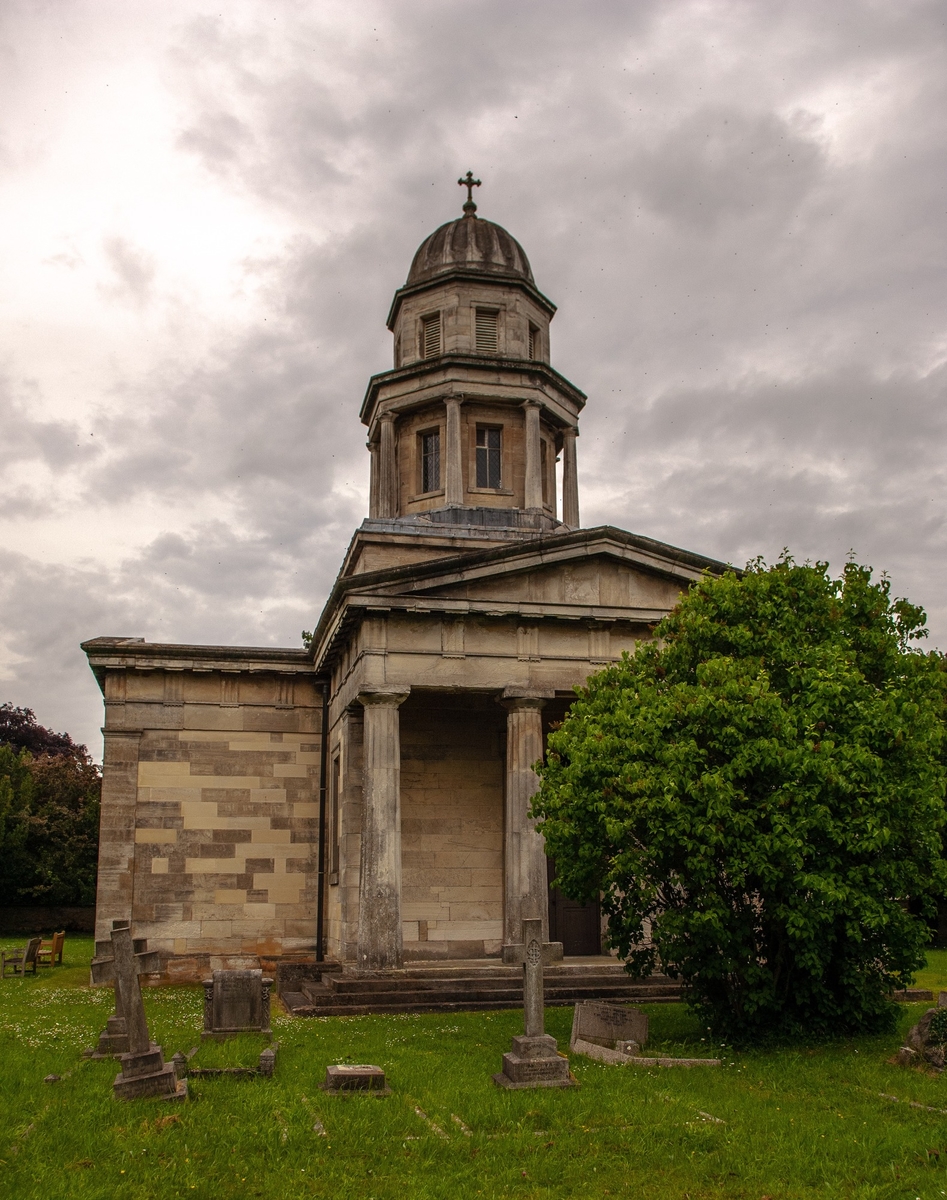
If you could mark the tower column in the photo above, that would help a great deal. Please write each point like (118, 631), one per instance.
(570, 480)
(387, 469)
(454, 482)
(373, 480)
(379, 891)
(534, 479)
(525, 890)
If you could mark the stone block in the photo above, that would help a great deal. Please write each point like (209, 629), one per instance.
(356, 1077)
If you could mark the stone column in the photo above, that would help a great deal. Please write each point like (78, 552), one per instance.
(525, 889)
(114, 890)
(379, 892)
(534, 478)
(570, 480)
(387, 469)
(454, 482)
(373, 480)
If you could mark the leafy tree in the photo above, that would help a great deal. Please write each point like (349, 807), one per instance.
(49, 814)
(756, 794)
(20, 729)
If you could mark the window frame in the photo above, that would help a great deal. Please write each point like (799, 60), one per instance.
(486, 429)
(430, 320)
(487, 311)
(422, 435)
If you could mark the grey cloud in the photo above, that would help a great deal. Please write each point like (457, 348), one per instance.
(755, 309)
(133, 271)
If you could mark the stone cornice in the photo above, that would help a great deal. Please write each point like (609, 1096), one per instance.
(474, 362)
(118, 653)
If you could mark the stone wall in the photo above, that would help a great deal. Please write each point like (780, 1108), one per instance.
(226, 838)
(452, 768)
(210, 802)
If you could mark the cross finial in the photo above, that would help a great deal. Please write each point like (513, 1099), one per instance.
(469, 183)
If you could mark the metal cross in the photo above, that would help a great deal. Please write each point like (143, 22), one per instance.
(469, 183)
(533, 953)
(129, 960)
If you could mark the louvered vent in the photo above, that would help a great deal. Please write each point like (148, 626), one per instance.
(430, 336)
(486, 333)
(533, 342)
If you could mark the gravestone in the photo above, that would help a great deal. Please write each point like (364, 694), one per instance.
(113, 1040)
(534, 1060)
(236, 1002)
(926, 1042)
(356, 1077)
(610, 1033)
(144, 1071)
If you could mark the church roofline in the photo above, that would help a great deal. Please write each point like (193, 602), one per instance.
(491, 363)
(650, 555)
(468, 275)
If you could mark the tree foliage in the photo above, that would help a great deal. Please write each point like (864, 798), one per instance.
(49, 814)
(756, 794)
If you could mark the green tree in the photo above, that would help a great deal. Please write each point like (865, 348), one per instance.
(49, 815)
(756, 794)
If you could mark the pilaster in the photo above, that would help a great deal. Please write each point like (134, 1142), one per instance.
(534, 479)
(114, 890)
(570, 480)
(454, 483)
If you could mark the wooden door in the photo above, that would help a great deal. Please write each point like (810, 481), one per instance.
(577, 926)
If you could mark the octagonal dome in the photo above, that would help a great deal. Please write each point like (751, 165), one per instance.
(469, 244)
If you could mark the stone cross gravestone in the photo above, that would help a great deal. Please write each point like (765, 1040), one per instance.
(607, 1032)
(236, 1002)
(144, 1071)
(113, 1040)
(534, 1060)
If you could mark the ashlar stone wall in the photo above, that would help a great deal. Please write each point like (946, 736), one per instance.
(226, 837)
(452, 772)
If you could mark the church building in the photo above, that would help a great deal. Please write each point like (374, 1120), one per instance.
(365, 800)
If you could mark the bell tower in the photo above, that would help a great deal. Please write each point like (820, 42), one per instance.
(468, 426)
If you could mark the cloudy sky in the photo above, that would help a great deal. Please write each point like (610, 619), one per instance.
(740, 209)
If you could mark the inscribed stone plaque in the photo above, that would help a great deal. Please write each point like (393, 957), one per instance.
(237, 1002)
(605, 1024)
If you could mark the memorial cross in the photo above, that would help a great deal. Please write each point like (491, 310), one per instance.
(534, 954)
(469, 183)
(130, 958)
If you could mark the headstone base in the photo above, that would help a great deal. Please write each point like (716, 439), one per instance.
(356, 1077)
(534, 1062)
(147, 1074)
(113, 1040)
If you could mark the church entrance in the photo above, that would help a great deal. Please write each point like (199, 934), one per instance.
(577, 926)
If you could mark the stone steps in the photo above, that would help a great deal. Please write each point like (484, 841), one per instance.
(458, 987)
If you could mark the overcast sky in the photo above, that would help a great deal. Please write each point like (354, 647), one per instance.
(740, 209)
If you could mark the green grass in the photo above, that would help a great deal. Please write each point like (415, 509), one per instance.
(789, 1124)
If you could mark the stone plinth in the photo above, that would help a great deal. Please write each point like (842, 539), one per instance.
(147, 1075)
(356, 1077)
(534, 1062)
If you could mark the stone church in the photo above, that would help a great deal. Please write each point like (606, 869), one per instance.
(365, 800)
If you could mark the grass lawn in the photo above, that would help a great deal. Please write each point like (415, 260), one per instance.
(810, 1122)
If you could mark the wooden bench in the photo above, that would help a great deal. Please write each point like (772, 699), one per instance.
(50, 952)
(21, 959)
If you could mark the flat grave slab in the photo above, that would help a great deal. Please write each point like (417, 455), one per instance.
(356, 1077)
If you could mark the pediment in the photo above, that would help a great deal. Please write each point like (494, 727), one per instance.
(589, 568)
